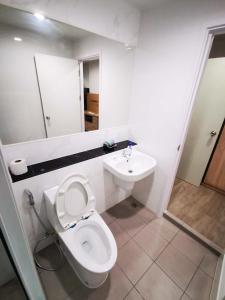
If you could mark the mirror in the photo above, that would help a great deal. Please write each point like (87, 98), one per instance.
(56, 79)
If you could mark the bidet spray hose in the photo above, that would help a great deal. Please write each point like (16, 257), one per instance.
(47, 234)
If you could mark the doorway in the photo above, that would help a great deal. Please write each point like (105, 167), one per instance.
(198, 197)
(90, 70)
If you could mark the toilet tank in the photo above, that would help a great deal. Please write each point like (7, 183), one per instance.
(49, 196)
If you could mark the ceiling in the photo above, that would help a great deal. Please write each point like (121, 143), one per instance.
(24, 20)
(146, 4)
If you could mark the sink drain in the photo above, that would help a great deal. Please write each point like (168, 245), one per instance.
(130, 171)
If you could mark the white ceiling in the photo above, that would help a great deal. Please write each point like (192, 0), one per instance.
(146, 4)
(25, 20)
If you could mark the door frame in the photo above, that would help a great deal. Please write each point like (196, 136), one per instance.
(210, 33)
(81, 60)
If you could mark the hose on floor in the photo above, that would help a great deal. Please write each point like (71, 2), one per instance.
(47, 235)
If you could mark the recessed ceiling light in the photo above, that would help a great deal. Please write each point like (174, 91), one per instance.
(17, 39)
(39, 16)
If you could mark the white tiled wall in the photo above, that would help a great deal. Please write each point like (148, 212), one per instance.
(46, 149)
(106, 192)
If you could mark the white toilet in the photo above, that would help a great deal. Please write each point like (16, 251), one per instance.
(87, 242)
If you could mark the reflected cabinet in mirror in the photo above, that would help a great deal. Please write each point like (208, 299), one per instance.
(56, 79)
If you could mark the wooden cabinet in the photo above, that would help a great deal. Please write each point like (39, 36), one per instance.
(92, 112)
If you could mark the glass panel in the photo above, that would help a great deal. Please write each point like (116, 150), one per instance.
(10, 286)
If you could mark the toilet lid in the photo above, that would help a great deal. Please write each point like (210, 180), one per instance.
(74, 200)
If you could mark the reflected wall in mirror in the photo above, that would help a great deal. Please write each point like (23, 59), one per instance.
(56, 79)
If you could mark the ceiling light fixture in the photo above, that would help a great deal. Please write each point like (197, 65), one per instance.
(17, 39)
(39, 16)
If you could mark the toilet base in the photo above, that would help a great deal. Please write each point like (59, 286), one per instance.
(89, 279)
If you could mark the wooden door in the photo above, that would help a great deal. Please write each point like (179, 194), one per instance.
(208, 115)
(215, 175)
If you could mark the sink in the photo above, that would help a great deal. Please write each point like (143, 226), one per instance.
(137, 167)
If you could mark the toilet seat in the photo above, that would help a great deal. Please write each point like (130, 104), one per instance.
(74, 201)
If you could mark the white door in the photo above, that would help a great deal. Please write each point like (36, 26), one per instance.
(208, 115)
(59, 85)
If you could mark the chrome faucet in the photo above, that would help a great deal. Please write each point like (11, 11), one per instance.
(127, 152)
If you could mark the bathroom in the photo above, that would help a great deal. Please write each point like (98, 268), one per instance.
(160, 45)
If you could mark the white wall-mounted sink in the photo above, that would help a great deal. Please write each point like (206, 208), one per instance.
(137, 167)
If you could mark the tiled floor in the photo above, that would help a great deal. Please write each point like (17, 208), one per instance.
(201, 208)
(155, 261)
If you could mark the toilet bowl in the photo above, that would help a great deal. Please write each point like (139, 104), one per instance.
(86, 240)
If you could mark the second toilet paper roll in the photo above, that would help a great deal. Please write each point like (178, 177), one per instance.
(18, 166)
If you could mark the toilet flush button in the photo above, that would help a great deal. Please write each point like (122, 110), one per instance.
(61, 214)
(61, 192)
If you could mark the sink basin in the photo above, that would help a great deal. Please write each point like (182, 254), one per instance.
(137, 167)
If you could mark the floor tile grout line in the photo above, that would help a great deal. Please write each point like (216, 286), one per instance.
(197, 265)
(182, 289)
(153, 259)
(135, 290)
(144, 274)
(126, 277)
(197, 269)
(139, 293)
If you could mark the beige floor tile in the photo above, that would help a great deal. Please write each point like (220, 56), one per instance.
(133, 295)
(155, 284)
(146, 214)
(190, 247)
(209, 263)
(59, 284)
(107, 217)
(177, 266)
(49, 257)
(121, 210)
(152, 243)
(164, 228)
(132, 224)
(185, 297)
(116, 287)
(120, 235)
(133, 261)
(200, 286)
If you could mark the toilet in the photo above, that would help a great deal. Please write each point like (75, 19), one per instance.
(86, 240)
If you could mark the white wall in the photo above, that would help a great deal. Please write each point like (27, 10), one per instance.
(21, 117)
(6, 271)
(116, 71)
(16, 238)
(208, 114)
(101, 182)
(167, 61)
(91, 75)
(94, 76)
(113, 19)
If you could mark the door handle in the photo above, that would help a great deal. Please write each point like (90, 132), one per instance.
(213, 133)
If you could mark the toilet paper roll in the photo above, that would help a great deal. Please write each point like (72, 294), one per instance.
(18, 166)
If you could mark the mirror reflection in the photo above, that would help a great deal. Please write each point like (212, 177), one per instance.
(51, 76)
